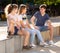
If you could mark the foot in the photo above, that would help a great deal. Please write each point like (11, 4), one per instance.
(43, 44)
(9, 36)
(32, 45)
(26, 47)
(51, 42)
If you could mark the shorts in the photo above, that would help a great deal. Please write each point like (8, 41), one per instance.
(16, 30)
(43, 28)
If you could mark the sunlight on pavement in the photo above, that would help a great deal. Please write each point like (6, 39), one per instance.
(3, 33)
(42, 50)
(55, 24)
(57, 44)
(3, 36)
(51, 51)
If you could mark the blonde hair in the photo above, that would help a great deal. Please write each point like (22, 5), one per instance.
(9, 8)
(6, 9)
(21, 8)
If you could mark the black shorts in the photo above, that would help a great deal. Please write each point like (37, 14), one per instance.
(16, 30)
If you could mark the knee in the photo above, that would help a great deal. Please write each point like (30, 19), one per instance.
(27, 33)
(50, 27)
(37, 31)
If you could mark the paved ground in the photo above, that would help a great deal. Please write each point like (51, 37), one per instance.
(3, 30)
(51, 49)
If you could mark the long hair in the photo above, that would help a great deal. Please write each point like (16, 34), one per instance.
(21, 8)
(9, 8)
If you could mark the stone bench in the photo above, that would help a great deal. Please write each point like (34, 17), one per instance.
(56, 31)
(56, 28)
(45, 35)
(13, 45)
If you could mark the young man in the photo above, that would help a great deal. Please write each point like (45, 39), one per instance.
(42, 18)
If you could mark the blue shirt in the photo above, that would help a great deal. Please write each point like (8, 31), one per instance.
(41, 19)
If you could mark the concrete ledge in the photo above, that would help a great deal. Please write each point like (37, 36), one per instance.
(13, 45)
(45, 35)
(2, 46)
(56, 31)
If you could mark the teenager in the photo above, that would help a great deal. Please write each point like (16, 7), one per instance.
(42, 18)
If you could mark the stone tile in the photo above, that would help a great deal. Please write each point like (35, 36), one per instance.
(2, 46)
(17, 43)
(10, 45)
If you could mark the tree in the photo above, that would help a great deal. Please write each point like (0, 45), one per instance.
(48, 2)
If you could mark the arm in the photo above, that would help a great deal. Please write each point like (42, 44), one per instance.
(28, 24)
(32, 20)
(22, 24)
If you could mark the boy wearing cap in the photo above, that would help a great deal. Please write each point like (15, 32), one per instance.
(42, 18)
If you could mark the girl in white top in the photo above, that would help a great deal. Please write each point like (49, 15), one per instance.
(10, 11)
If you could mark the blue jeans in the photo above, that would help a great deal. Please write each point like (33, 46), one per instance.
(39, 36)
(32, 33)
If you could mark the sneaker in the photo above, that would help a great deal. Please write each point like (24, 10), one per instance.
(51, 42)
(26, 47)
(43, 44)
(32, 45)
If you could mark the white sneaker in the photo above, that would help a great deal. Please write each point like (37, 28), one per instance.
(32, 45)
(51, 42)
(43, 44)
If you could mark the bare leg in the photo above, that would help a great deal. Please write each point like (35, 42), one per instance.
(11, 28)
(51, 32)
(26, 35)
(26, 39)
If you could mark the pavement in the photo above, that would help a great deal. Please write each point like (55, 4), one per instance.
(51, 49)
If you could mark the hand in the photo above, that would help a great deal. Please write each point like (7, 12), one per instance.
(36, 27)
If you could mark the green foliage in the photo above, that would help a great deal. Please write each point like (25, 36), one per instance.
(48, 2)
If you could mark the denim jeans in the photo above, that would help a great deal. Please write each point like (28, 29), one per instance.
(43, 28)
(39, 36)
(32, 33)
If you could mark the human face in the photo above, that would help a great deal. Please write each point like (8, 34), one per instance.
(42, 10)
(24, 10)
(15, 10)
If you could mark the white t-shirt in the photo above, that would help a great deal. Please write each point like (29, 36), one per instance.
(12, 17)
(24, 16)
(20, 17)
